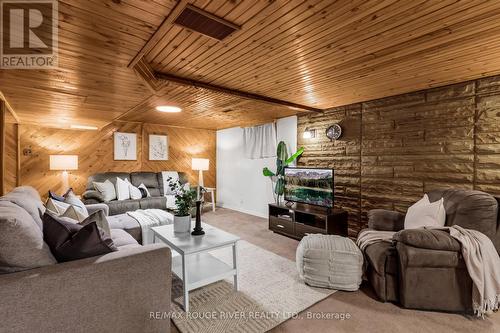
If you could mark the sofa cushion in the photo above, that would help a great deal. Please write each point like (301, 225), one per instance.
(121, 237)
(153, 202)
(27, 198)
(154, 192)
(72, 241)
(127, 223)
(385, 220)
(383, 258)
(416, 257)
(121, 207)
(428, 239)
(149, 179)
(21, 241)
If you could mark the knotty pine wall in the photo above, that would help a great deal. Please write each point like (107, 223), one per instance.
(394, 149)
(10, 180)
(95, 153)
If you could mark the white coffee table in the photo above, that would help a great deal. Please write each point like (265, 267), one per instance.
(194, 264)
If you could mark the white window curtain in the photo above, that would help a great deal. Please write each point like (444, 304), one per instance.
(260, 141)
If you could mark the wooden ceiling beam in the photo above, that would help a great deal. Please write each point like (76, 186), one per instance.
(8, 107)
(234, 92)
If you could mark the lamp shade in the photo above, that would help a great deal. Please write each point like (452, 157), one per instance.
(199, 164)
(63, 162)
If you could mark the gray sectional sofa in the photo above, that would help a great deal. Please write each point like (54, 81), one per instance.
(115, 292)
(152, 180)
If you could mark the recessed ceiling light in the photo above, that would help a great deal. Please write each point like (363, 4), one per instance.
(84, 127)
(168, 108)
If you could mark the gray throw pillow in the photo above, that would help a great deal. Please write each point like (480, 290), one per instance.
(107, 189)
(72, 241)
(21, 241)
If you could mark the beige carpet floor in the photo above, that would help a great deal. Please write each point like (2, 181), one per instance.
(365, 313)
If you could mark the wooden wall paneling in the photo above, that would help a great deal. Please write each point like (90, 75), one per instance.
(95, 152)
(409, 144)
(10, 152)
(184, 144)
(18, 155)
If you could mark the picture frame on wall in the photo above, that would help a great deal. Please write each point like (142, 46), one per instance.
(125, 146)
(158, 147)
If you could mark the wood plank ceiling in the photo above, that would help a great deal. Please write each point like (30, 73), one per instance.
(317, 53)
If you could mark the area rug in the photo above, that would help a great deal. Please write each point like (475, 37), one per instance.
(270, 293)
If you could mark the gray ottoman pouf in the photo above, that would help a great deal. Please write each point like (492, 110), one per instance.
(330, 261)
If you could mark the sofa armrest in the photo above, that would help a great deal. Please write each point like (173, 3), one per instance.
(115, 292)
(428, 239)
(93, 195)
(385, 220)
(92, 208)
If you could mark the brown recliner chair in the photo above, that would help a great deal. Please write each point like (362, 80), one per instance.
(424, 269)
(433, 274)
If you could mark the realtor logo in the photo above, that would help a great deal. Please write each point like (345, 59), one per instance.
(29, 34)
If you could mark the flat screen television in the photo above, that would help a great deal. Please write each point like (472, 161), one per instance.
(312, 186)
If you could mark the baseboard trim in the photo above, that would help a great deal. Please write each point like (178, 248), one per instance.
(238, 209)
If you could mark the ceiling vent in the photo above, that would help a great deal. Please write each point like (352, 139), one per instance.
(205, 23)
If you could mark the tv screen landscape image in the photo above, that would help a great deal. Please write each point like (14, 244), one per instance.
(310, 186)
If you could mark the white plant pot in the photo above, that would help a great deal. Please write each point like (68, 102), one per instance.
(182, 223)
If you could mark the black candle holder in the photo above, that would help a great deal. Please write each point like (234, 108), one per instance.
(198, 230)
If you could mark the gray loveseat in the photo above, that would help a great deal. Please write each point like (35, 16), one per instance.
(115, 292)
(152, 180)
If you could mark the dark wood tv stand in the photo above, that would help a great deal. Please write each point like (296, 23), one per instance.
(296, 220)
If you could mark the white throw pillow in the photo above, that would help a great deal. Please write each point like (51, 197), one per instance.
(135, 193)
(107, 189)
(74, 213)
(171, 201)
(56, 207)
(145, 189)
(167, 177)
(122, 189)
(425, 214)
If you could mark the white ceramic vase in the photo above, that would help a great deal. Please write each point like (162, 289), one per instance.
(182, 223)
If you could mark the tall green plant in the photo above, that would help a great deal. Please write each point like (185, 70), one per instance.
(282, 161)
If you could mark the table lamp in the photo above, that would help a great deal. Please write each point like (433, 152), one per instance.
(64, 163)
(200, 164)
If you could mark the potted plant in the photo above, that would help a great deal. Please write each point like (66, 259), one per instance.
(278, 177)
(184, 201)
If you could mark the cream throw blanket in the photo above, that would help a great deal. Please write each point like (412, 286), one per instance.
(483, 265)
(369, 237)
(480, 256)
(151, 218)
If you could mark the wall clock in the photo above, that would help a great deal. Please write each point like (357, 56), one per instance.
(334, 132)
